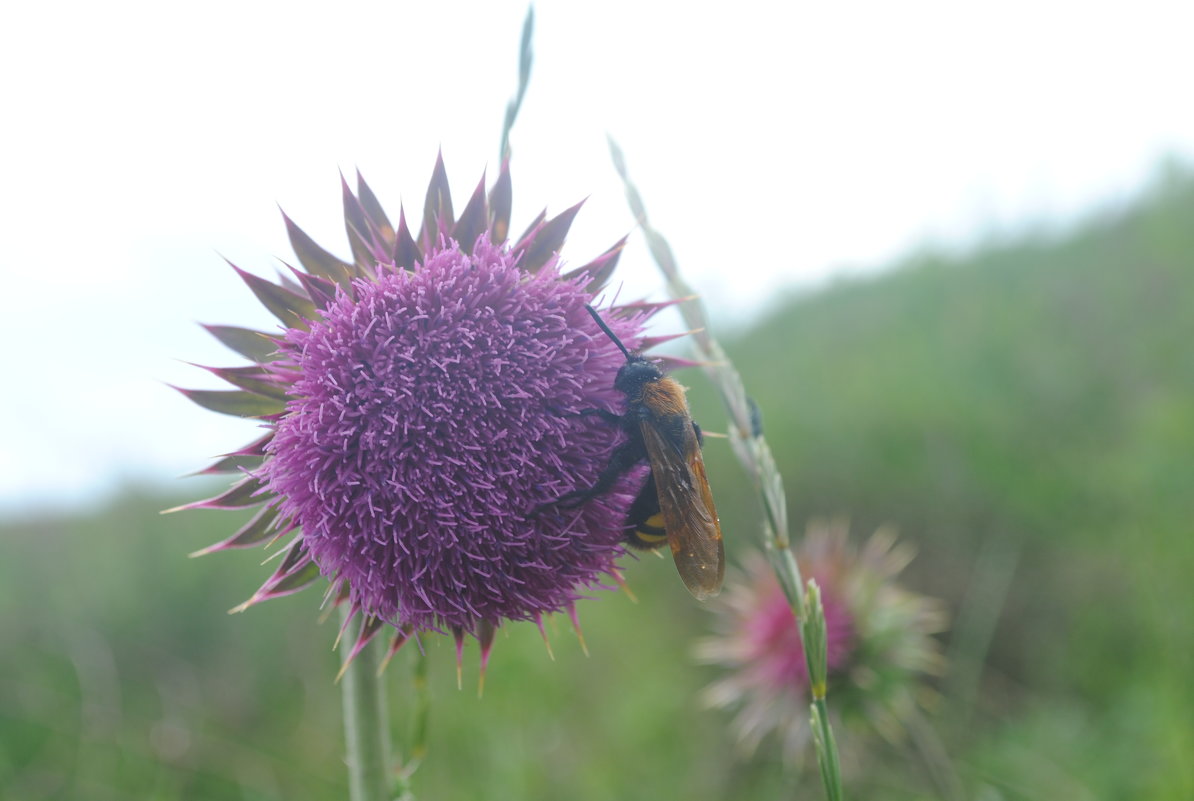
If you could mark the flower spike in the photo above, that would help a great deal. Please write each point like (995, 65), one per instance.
(474, 219)
(651, 342)
(232, 463)
(401, 637)
(254, 379)
(253, 533)
(406, 252)
(599, 270)
(364, 236)
(321, 291)
(242, 494)
(437, 209)
(315, 259)
(256, 346)
(500, 204)
(485, 634)
(545, 241)
(458, 636)
(238, 403)
(621, 580)
(580, 636)
(369, 628)
(373, 210)
(291, 308)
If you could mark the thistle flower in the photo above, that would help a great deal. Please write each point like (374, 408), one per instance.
(879, 640)
(422, 410)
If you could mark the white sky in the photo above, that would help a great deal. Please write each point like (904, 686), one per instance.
(775, 144)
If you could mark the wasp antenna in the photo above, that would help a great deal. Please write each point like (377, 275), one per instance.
(607, 331)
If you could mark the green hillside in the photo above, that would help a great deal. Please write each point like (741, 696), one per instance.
(1028, 407)
(1023, 413)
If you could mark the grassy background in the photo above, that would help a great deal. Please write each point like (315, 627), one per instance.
(1023, 413)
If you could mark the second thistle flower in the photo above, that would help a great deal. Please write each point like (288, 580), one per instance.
(879, 643)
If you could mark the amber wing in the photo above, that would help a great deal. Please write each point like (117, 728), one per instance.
(687, 505)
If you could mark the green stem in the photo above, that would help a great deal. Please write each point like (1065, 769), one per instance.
(787, 570)
(827, 759)
(422, 713)
(366, 728)
(814, 636)
(524, 77)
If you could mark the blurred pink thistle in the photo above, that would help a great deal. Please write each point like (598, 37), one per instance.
(879, 639)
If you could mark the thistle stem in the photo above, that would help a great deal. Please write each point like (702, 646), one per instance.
(366, 729)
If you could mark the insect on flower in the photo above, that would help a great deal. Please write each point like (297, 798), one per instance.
(675, 504)
(407, 405)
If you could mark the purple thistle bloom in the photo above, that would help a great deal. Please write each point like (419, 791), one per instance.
(422, 405)
(429, 424)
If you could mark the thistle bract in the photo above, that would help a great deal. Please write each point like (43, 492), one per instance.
(878, 637)
(424, 405)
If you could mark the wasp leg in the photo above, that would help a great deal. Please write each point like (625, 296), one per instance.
(627, 455)
(604, 414)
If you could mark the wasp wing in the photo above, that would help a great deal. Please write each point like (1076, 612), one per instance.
(687, 504)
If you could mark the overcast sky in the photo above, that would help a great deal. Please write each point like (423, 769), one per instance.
(775, 145)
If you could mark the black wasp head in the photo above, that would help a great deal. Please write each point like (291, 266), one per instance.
(635, 374)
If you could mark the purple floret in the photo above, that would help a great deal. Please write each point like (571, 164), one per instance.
(435, 412)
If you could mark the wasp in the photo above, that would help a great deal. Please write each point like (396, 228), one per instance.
(675, 504)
